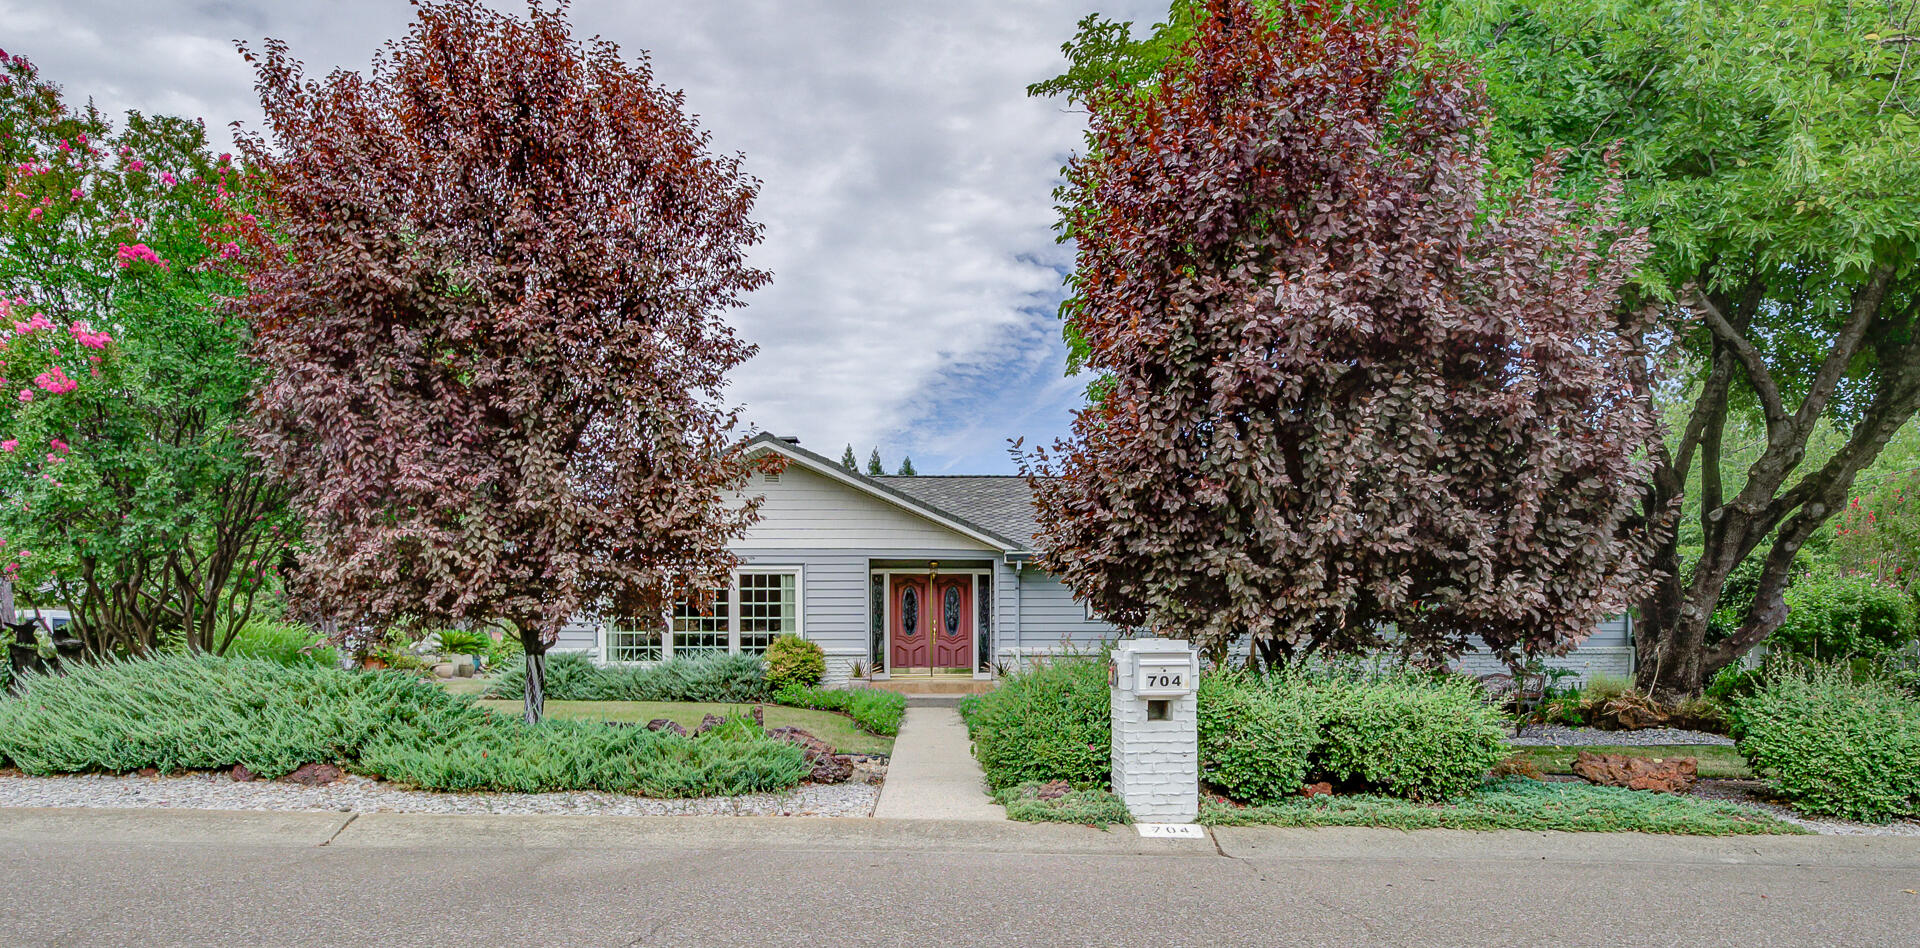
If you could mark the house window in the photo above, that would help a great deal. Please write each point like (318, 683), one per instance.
(628, 642)
(769, 606)
(697, 633)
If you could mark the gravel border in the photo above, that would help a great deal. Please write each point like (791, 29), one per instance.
(1546, 735)
(1754, 793)
(218, 791)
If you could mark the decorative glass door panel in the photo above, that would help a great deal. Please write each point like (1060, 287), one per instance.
(913, 620)
(953, 622)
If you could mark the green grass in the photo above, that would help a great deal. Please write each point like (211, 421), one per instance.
(1716, 762)
(837, 730)
(1086, 807)
(1519, 804)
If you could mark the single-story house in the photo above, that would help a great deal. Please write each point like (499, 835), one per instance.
(909, 579)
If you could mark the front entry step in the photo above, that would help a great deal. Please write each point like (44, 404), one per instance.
(936, 686)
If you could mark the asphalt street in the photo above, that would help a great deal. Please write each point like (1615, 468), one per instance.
(158, 877)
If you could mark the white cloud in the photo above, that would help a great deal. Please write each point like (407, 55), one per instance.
(906, 181)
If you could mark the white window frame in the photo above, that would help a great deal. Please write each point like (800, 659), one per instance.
(798, 573)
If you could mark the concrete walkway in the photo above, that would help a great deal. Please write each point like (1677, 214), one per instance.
(932, 774)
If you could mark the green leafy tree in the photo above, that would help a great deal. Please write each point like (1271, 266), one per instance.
(848, 461)
(1773, 149)
(497, 347)
(906, 467)
(874, 467)
(130, 489)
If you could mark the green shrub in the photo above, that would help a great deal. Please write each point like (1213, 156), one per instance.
(792, 660)
(1254, 739)
(284, 643)
(1415, 736)
(571, 676)
(1833, 745)
(1902, 672)
(195, 712)
(1049, 722)
(464, 642)
(1057, 803)
(875, 711)
(202, 712)
(557, 755)
(506, 651)
(1833, 617)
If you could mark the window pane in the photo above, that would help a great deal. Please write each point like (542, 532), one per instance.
(696, 633)
(628, 641)
(768, 607)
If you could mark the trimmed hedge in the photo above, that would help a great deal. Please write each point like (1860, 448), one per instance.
(1049, 722)
(1255, 741)
(1420, 737)
(201, 712)
(875, 711)
(1833, 745)
(571, 676)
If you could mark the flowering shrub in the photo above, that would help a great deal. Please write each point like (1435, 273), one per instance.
(122, 377)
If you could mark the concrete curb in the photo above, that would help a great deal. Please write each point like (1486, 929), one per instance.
(1342, 843)
(1259, 844)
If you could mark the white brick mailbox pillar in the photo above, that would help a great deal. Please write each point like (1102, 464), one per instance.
(1156, 741)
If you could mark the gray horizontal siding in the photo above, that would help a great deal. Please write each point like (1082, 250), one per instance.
(1051, 620)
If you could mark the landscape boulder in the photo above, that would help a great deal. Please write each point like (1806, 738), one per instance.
(1320, 789)
(664, 724)
(828, 767)
(1659, 774)
(708, 723)
(241, 774)
(313, 775)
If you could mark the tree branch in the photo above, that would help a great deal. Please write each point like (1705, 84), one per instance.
(1736, 342)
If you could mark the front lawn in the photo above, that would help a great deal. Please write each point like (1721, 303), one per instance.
(837, 730)
(1514, 803)
(1716, 761)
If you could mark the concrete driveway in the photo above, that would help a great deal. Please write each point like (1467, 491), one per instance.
(155, 877)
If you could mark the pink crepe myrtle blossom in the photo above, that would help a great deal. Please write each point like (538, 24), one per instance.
(137, 165)
(10, 445)
(59, 446)
(78, 194)
(166, 177)
(38, 322)
(26, 395)
(33, 214)
(139, 253)
(84, 334)
(55, 381)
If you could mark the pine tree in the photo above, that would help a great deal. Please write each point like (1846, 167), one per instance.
(874, 468)
(906, 467)
(848, 461)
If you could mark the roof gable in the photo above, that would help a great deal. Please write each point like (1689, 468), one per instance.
(886, 489)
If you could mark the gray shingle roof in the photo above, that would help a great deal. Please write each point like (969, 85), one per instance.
(1000, 503)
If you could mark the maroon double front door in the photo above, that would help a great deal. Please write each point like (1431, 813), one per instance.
(931, 622)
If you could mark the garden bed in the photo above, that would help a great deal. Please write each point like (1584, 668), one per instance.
(218, 791)
(1514, 803)
(838, 730)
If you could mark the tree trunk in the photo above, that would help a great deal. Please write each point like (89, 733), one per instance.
(536, 689)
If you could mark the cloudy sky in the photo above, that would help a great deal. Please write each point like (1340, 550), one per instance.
(906, 181)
